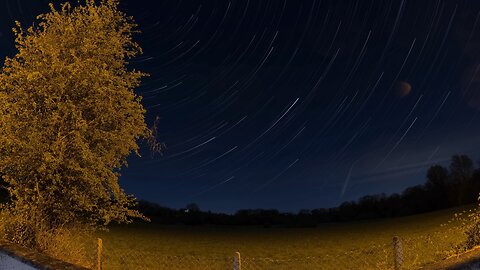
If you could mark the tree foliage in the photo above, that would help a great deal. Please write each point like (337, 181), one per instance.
(69, 116)
(461, 168)
(437, 177)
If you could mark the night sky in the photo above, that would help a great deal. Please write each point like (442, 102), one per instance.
(293, 104)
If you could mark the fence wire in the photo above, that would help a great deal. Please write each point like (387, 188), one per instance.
(411, 252)
(375, 257)
(113, 259)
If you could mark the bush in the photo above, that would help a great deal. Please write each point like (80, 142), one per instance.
(473, 236)
(72, 243)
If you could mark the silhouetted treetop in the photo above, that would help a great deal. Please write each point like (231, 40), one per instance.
(437, 177)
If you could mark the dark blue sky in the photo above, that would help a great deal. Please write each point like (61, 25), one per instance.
(297, 104)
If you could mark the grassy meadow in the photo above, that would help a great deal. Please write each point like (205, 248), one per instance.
(359, 245)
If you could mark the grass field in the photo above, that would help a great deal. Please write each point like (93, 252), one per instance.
(359, 245)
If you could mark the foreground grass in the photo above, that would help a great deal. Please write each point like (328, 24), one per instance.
(359, 245)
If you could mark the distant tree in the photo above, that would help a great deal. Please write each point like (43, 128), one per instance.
(69, 118)
(437, 177)
(461, 171)
(436, 185)
(321, 215)
(268, 217)
(415, 200)
(349, 210)
(304, 212)
(475, 186)
(368, 206)
(461, 168)
(394, 205)
(193, 207)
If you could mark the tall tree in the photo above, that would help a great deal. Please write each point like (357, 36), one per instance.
(69, 116)
(461, 168)
(461, 171)
(437, 179)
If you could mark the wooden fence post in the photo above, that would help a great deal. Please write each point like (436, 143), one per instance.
(99, 253)
(237, 262)
(397, 253)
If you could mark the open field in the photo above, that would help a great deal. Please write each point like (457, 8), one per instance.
(359, 245)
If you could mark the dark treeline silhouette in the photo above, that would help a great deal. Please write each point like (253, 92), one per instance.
(459, 184)
(444, 188)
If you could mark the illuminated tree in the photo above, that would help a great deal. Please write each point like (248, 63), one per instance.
(69, 117)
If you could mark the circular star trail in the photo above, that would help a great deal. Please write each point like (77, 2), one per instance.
(297, 104)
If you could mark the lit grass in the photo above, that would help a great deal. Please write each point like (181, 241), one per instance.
(358, 245)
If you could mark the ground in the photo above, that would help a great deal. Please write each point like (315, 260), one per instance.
(426, 239)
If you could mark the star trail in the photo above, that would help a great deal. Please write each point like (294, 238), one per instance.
(296, 104)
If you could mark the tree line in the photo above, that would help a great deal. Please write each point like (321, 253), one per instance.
(459, 184)
(445, 187)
